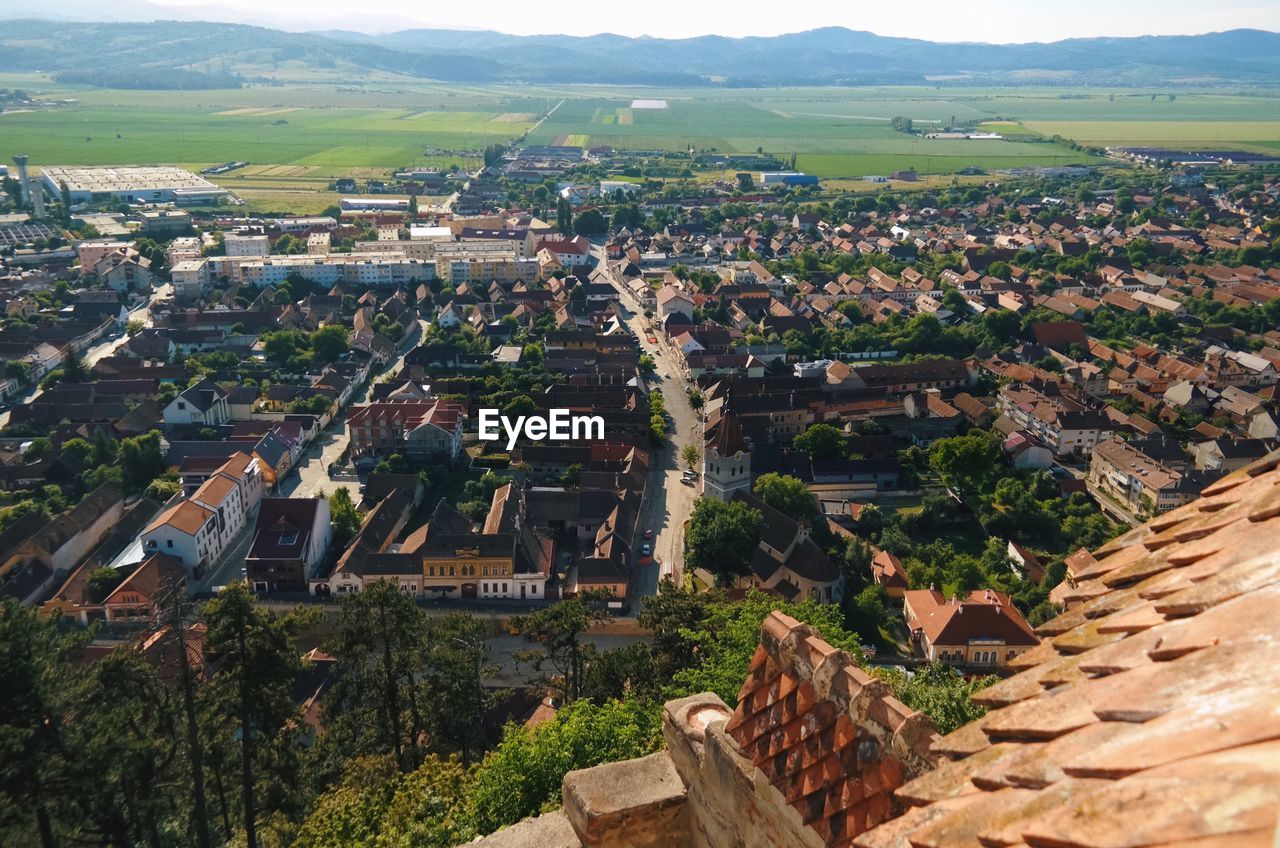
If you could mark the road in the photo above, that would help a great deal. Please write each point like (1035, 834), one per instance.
(95, 353)
(668, 501)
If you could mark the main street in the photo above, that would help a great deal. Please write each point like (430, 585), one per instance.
(668, 501)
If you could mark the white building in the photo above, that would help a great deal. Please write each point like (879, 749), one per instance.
(204, 404)
(131, 184)
(190, 279)
(386, 270)
(197, 530)
(246, 246)
(726, 457)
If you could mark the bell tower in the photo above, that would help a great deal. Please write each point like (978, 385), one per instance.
(726, 458)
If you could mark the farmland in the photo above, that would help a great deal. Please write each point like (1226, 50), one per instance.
(843, 133)
(300, 135)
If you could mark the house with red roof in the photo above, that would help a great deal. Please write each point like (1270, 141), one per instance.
(982, 629)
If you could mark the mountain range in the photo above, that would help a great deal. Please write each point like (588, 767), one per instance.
(828, 56)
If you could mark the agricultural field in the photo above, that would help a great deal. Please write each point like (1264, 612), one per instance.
(301, 134)
(298, 137)
(845, 133)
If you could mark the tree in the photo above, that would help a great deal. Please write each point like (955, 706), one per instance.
(329, 343)
(141, 460)
(940, 691)
(257, 662)
(902, 124)
(822, 442)
(870, 521)
(343, 516)
(722, 537)
(745, 182)
(34, 701)
(174, 614)
(126, 750)
(457, 675)
(558, 629)
(72, 367)
(162, 490)
(646, 364)
(590, 223)
(968, 461)
(102, 582)
(525, 772)
(1002, 326)
(788, 495)
(375, 804)
(869, 612)
(691, 456)
(379, 645)
(281, 345)
(564, 215)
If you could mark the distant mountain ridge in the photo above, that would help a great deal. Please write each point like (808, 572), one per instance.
(827, 56)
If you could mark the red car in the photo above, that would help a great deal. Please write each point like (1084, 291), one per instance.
(648, 534)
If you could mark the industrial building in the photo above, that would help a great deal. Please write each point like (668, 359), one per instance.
(153, 184)
(787, 178)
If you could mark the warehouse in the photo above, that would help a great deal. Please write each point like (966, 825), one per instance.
(154, 184)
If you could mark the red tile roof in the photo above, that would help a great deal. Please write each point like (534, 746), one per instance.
(1142, 719)
(825, 734)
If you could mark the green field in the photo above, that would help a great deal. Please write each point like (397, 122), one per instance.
(324, 129)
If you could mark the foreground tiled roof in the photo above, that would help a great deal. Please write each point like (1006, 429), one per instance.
(1150, 713)
(827, 735)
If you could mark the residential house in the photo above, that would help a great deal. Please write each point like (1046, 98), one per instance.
(203, 405)
(1144, 484)
(290, 542)
(420, 429)
(982, 629)
(133, 598)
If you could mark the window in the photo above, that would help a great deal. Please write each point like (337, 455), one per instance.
(289, 537)
(168, 543)
(504, 588)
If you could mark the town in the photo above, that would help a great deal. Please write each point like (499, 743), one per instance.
(575, 431)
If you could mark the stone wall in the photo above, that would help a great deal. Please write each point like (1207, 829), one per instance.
(809, 758)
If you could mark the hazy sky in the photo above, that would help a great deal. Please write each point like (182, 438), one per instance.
(937, 20)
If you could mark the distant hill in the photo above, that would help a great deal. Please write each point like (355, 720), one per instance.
(829, 56)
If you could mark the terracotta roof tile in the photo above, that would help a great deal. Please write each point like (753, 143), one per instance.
(828, 737)
(1166, 804)
(1148, 717)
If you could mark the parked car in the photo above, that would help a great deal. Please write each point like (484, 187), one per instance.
(646, 549)
(648, 534)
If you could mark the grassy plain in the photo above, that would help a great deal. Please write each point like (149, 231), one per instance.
(302, 133)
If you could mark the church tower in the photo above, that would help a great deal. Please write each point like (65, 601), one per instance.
(726, 458)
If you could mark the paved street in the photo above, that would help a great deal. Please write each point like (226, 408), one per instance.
(311, 475)
(230, 565)
(668, 501)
